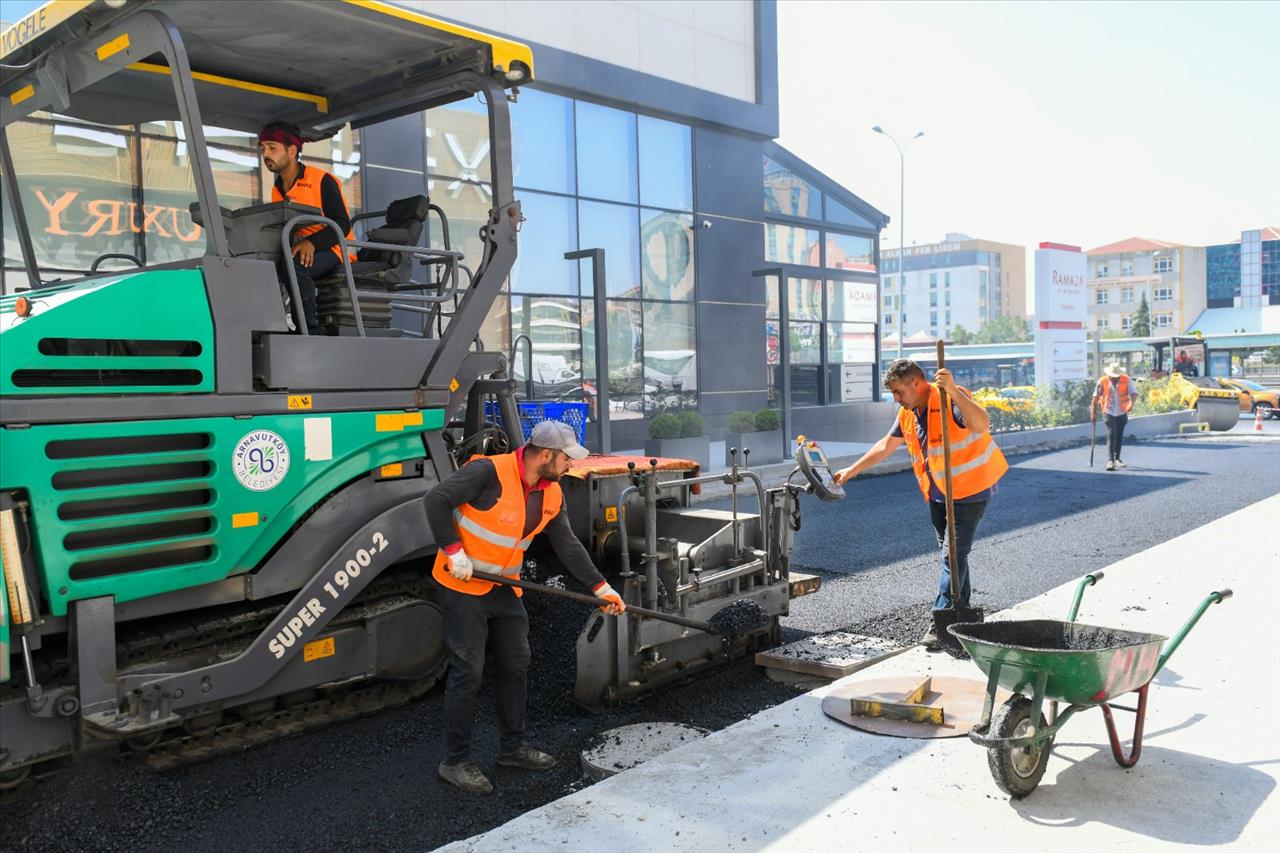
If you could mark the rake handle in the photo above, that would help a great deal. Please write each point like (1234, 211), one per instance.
(944, 411)
(583, 598)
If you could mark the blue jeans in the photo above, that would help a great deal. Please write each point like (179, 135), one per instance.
(967, 517)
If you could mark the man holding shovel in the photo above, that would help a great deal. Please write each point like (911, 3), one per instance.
(483, 517)
(976, 464)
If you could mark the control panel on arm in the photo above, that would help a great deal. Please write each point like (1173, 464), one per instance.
(812, 463)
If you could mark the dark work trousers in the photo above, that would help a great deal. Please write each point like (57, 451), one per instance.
(497, 619)
(1115, 434)
(967, 517)
(322, 264)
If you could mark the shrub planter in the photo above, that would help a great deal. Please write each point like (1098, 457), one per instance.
(697, 449)
(765, 447)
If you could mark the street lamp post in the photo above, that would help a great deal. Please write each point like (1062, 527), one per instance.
(902, 204)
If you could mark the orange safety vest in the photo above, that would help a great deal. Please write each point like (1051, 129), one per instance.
(976, 461)
(492, 537)
(306, 190)
(1126, 402)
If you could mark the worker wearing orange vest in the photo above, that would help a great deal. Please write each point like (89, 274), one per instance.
(976, 463)
(316, 251)
(483, 517)
(1114, 396)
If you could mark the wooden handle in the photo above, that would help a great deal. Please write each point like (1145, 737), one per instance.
(944, 412)
(592, 600)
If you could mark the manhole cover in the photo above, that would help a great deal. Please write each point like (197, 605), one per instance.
(630, 746)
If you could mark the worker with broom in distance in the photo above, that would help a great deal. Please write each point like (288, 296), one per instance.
(977, 464)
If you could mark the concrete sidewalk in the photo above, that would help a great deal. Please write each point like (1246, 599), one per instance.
(791, 779)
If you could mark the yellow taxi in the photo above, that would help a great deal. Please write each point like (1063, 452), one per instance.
(1254, 398)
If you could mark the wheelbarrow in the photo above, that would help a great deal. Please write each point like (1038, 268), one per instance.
(1082, 665)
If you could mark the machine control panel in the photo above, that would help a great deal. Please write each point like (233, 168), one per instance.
(815, 467)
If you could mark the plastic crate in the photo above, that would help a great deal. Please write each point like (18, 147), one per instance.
(534, 413)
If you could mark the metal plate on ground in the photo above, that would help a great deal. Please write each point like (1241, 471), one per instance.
(832, 655)
(960, 697)
(630, 746)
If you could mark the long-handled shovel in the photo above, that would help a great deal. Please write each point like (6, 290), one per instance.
(955, 614)
(741, 617)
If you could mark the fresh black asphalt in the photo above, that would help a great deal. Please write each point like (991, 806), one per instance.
(371, 784)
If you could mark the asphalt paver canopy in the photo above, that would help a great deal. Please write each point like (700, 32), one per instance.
(317, 65)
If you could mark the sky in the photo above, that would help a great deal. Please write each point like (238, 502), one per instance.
(1073, 122)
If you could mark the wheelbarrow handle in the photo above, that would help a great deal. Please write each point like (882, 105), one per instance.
(1216, 597)
(1086, 581)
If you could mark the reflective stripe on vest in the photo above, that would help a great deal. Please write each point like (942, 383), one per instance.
(1122, 390)
(976, 462)
(489, 537)
(306, 190)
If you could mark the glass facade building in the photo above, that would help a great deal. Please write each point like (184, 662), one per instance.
(704, 221)
(1246, 272)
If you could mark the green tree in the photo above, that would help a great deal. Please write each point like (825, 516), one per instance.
(961, 335)
(1141, 327)
(1002, 330)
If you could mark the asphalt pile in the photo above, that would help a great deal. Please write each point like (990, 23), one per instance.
(741, 617)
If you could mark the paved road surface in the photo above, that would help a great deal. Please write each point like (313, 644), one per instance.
(371, 783)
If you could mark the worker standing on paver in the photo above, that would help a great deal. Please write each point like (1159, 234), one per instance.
(976, 463)
(483, 517)
(1114, 396)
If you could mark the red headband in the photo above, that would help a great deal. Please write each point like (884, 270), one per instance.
(278, 134)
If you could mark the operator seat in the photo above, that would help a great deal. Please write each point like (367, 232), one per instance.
(376, 269)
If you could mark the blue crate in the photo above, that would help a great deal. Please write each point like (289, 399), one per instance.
(533, 413)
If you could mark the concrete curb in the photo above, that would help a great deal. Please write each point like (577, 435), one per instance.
(1010, 443)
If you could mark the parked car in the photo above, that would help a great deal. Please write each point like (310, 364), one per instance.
(1254, 397)
(1016, 398)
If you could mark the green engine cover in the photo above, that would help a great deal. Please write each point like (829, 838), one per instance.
(134, 509)
(131, 333)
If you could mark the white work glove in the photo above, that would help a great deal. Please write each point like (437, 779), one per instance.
(460, 565)
(613, 602)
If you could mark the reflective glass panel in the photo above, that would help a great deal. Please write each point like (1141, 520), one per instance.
(805, 342)
(606, 153)
(804, 299)
(495, 332)
(838, 213)
(851, 301)
(542, 138)
(851, 343)
(849, 252)
(554, 327)
(772, 301)
(788, 193)
(467, 205)
(626, 371)
(790, 245)
(670, 357)
(666, 257)
(458, 140)
(616, 229)
(550, 229)
(77, 186)
(666, 164)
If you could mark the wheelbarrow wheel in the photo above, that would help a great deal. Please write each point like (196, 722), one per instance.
(1017, 770)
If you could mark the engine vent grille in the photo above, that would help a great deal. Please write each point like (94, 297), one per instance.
(151, 504)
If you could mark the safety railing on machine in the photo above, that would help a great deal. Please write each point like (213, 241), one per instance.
(451, 259)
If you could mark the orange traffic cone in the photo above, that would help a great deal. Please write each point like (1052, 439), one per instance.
(1257, 421)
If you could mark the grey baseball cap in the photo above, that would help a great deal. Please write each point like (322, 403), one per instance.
(557, 435)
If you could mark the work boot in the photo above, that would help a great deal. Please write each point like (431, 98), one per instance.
(930, 640)
(527, 758)
(1111, 464)
(466, 776)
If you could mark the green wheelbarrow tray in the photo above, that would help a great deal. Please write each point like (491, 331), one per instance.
(1083, 664)
(1045, 660)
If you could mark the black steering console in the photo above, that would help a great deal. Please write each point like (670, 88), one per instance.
(812, 463)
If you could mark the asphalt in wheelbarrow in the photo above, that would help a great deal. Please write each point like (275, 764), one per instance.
(1051, 635)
